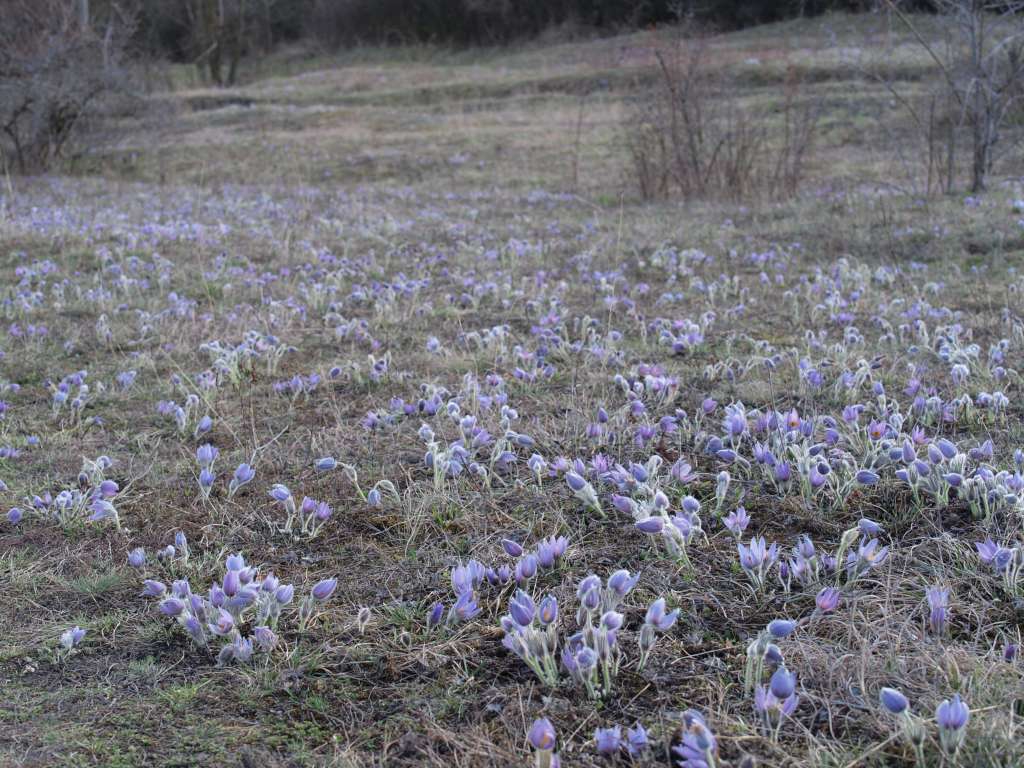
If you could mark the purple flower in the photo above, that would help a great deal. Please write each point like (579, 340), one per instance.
(827, 599)
(225, 623)
(781, 628)
(435, 615)
(698, 745)
(547, 613)
(137, 557)
(522, 608)
(612, 621)
(546, 553)
(1010, 652)
(265, 638)
(280, 492)
(769, 704)
(622, 583)
(608, 740)
(71, 637)
(284, 594)
(987, 550)
(323, 589)
(513, 548)
(867, 477)
(868, 555)
(782, 683)
(736, 522)
(952, 716)
(326, 464)
(636, 740)
(243, 475)
(465, 607)
(232, 583)
(463, 577)
(938, 605)
(893, 700)
(575, 482)
(206, 454)
(657, 617)
(172, 606)
(588, 584)
(526, 568)
(624, 504)
(14, 515)
(235, 562)
(805, 547)
(542, 735)
(650, 524)
(682, 472)
(757, 554)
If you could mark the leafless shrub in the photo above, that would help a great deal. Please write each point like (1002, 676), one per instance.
(981, 70)
(692, 137)
(55, 72)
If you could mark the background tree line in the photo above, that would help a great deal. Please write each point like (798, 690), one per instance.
(218, 32)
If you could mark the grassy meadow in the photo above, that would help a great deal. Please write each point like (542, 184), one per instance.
(420, 288)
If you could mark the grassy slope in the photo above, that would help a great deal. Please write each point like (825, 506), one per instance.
(380, 143)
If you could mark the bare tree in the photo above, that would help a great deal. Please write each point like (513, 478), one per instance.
(981, 66)
(218, 32)
(54, 73)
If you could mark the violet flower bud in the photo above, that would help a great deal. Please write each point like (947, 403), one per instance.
(435, 615)
(513, 548)
(326, 464)
(894, 701)
(137, 558)
(284, 594)
(781, 628)
(323, 589)
(782, 683)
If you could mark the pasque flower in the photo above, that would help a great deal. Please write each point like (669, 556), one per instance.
(827, 599)
(542, 737)
(697, 747)
(242, 476)
(71, 638)
(323, 589)
(608, 741)
(736, 522)
(938, 609)
(952, 716)
(542, 734)
(894, 701)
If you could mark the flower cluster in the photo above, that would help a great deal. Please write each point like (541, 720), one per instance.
(951, 718)
(93, 500)
(242, 610)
